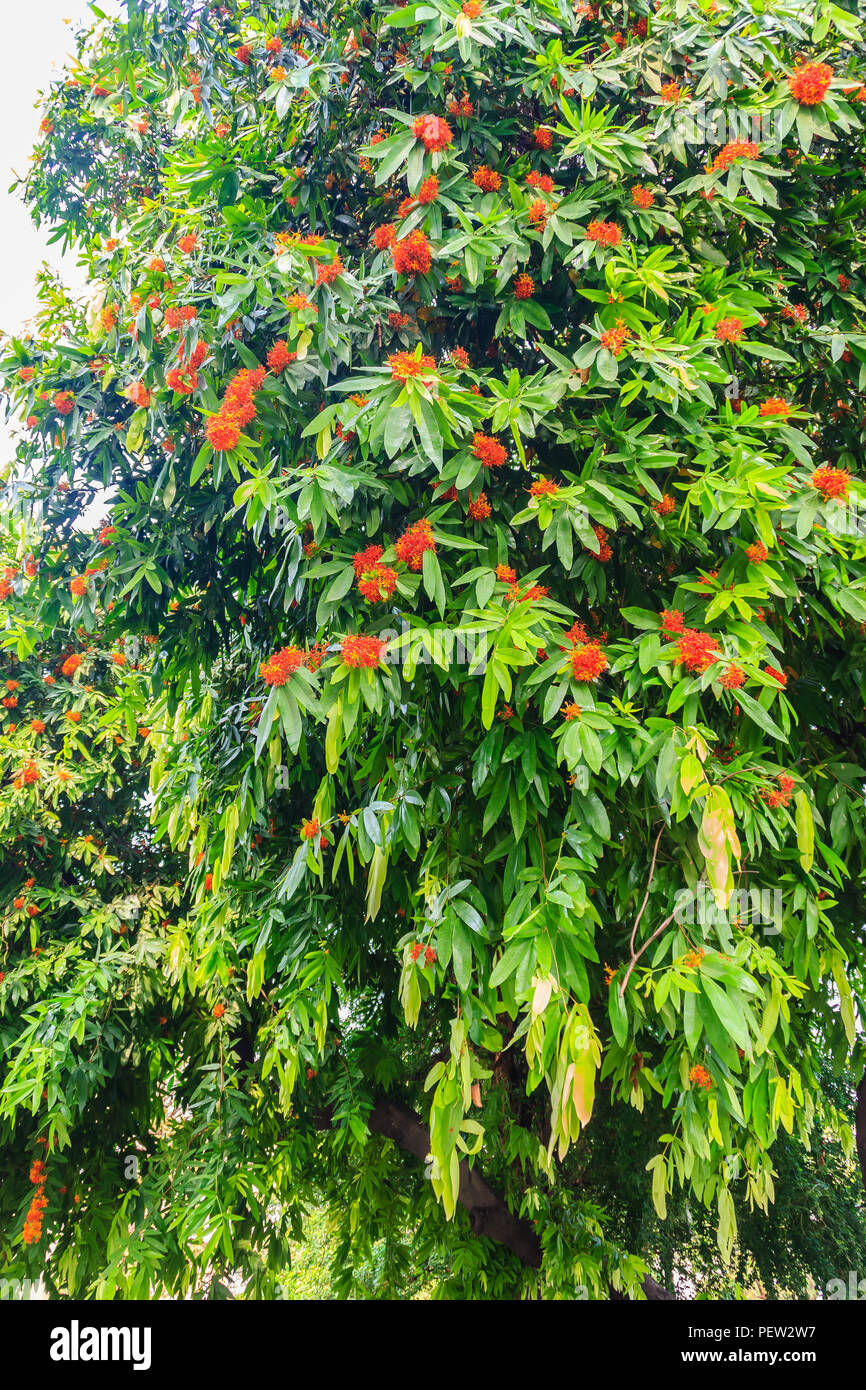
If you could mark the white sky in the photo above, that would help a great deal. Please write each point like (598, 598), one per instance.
(37, 44)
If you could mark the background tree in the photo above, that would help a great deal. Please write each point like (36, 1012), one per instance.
(476, 391)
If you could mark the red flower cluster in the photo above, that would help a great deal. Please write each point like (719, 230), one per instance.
(696, 650)
(310, 829)
(734, 677)
(27, 776)
(63, 402)
(757, 553)
(327, 274)
(777, 675)
(809, 84)
(435, 133)
(479, 509)
(729, 330)
(505, 574)
(735, 149)
(384, 236)
(413, 255)
(524, 287)
(486, 179)
(671, 91)
(223, 430)
(279, 667)
(543, 137)
(642, 197)
(429, 190)
(538, 213)
(774, 405)
(604, 233)
(358, 651)
(544, 182)
(832, 483)
(377, 583)
(488, 449)
(614, 339)
(414, 542)
(178, 315)
(699, 1076)
(604, 552)
(588, 661)
(781, 795)
(33, 1220)
(406, 364)
(279, 357)
(665, 505)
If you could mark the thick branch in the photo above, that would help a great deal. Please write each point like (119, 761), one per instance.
(488, 1213)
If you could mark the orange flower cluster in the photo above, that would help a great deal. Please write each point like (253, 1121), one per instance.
(138, 393)
(479, 508)
(32, 1232)
(696, 650)
(488, 449)
(377, 583)
(774, 405)
(71, 664)
(27, 776)
(178, 315)
(414, 543)
(780, 795)
(538, 213)
(310, 829)
(588, 662)
(543, 487)
(187, 243)
(327, 274)
(832, 483)
(665, 505)
(542, 137)
(63, 402)
(735, 149)
(406, 364)
(223, 430)
(279, 667)
(487, 179)
(505, 574)
(734, 677)
(604, 552)
(670, 92)
(699, 1076)
(809, 84)
(757, 553)
(604, 233)
(694, 958)
(413, 255)
(429, 190)
(777, 675)
(279, 357)
(384, 236)
(360, 651)
(435, 133)
(524, 287)
(544, 182)
(642, 197)
(615, 339)
(729, 330)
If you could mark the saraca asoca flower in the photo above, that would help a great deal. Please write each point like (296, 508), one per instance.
(729, 330)
(178, 315)
(429, 190)
(735, 149)
(187, 243)
(406, 364)
(27, 776)
(543, 137)
(604, 233)
(543, 487)
(756, 553)
(413, 255)
(809, 84)
(384, 236)
(670, 92)
(414, 542)
(665, 505)
(642, 197)
(488, 449)
(279, 667)
(544, 182)
(832, 483)
(524, 287)
(327, 274)
(310, 829)
(614, 339)
(223, 432)
(479, 508)
(433, 131)
(505, 574)
(696, 650)
(360, 651)
(774, 405)
(733, 677)
(377, 583)
(588, 662)
(78, 586)
(71, 664)
(279, 357)
(63, 402)
(699, 1076)
(776, 675)
(487, 179)
(604, 550)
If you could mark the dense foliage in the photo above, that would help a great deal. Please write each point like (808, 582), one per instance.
(473, 395)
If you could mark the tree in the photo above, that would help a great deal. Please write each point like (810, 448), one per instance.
(475, 390)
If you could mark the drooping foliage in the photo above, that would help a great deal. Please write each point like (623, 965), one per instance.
(473, 397)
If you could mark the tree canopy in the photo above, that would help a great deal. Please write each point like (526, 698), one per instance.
(434, 788)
